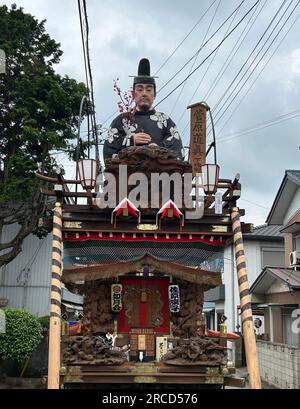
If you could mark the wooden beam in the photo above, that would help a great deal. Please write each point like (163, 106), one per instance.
(211, 230)
(54, 180)
(52, 193)
(98, 217)
(234, 382)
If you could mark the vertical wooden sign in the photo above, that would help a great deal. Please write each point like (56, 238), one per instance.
(198, 136)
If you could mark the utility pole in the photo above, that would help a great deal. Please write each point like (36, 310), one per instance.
(245, 302)
(55, 308)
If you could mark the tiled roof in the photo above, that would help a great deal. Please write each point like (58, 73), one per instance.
(269, 275)
(288, 275)
(272, 231)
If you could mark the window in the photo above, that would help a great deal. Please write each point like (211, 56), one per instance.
(289, 337)
(296, 243)
(272, 257)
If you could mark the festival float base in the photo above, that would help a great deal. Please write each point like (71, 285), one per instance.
(197, 362)
(150, 374)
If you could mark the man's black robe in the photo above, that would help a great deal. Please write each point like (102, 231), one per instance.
(159, 126)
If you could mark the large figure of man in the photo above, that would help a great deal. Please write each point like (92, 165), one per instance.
(144, 126)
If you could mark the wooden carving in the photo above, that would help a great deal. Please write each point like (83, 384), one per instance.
(90, 351)
(98, 316)
(152, 296)
(189, 321)
(147, 161)
(196, 351)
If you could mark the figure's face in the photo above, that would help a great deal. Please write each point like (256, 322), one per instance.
(144, 96)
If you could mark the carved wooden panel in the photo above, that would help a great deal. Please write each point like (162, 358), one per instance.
(189, 321)
(98, 316)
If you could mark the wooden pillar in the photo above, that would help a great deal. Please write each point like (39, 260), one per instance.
(55, 308)
(245, 302)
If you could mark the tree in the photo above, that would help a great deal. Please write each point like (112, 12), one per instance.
(22, 336)
(38, 114)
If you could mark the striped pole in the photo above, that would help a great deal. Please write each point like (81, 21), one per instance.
(245, 302)
(55, 308)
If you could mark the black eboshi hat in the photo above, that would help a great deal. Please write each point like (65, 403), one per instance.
(143, 76)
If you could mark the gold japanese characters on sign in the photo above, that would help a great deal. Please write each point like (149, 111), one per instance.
(198, 136)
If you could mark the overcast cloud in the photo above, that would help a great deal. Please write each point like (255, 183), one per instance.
(123, 31)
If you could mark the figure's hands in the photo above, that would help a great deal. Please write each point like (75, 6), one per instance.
(153, 145)
(141, 138)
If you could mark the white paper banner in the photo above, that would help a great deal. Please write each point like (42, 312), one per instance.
(218, 203)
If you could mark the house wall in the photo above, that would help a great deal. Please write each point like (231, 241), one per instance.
(254, 261)
(293, 208)
(279, 364)
(26, 280)
(286, 298)
(288, 248)
(277, 325)
(267, 324)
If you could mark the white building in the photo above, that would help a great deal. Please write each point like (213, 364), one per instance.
(26, 281)
(263, 247)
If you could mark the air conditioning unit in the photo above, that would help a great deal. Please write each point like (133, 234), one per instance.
(295, 258)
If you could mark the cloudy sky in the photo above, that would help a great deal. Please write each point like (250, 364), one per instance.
(123, 31)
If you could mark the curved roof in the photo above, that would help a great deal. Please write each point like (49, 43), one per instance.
(209, 279)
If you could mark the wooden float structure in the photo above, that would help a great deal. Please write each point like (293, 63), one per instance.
(139, 261)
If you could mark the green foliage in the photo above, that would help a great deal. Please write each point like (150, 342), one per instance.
(23, 334)
(38, 108)
(38, 115)
(45, 322)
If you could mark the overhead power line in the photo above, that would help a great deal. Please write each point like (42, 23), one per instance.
(207, 69)
(257, 64)
(238, 105)
(255, 204)
(234, 50)
(210, 54)
(247, 60)
(230, 57)
(195, 59)
(189, 33)
(84, 26)
(197, 52)
(260, 126)
(242, 86)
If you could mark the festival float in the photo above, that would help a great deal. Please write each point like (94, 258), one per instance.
(143, 269)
